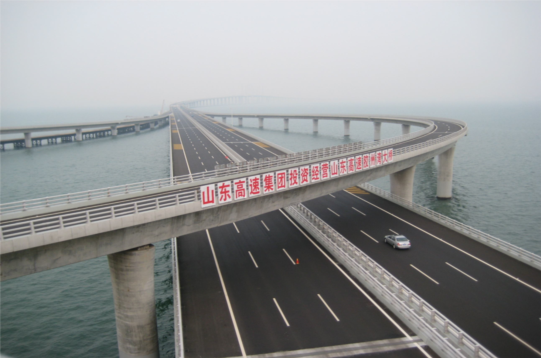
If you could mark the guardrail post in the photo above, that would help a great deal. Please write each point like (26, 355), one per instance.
(476, 350)
(32, 232)
(460, 338)
(88, 217)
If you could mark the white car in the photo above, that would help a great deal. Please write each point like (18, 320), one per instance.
(397, 241)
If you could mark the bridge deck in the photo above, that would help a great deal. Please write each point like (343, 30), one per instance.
(268, 242)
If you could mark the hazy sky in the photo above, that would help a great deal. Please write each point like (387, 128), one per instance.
(93, 54)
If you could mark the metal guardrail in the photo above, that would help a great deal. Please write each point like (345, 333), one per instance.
(187, 195)
(498, 244)
(220, 171)
(444, 337)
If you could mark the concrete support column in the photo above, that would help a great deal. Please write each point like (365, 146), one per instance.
(286, 124)
(260, 123)
(114, 131)
(445, 174)
(224, 119)
(132, 278)
(152, 125)
(28, 140)
(78, 134)
(346, 128)
(137, 128)
(240, 122)
(406, 129)
(402, 183)
(315, 126)
(378, 127)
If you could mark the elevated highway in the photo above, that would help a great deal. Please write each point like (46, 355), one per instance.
(234, 278)
(494, 297)
(46, 233)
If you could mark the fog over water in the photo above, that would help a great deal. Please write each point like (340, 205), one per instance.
(95, 54)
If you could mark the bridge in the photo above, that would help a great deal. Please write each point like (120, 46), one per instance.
(99, 129)
(46, 233)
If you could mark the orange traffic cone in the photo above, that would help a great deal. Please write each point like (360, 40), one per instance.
(297, 261)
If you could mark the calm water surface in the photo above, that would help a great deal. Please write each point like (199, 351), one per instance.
(69, 311)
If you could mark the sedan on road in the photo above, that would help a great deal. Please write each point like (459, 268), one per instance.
(397, 241)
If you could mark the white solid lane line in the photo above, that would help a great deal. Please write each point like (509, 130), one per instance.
(331, 311)
(393, 232)
(227, 297)
(293, 262)
(369, 236)
(517, 338)
(359, 211)
(236, 228)
(281, 313)
(254, 261)
(357, 286)
(265, 225)
(462, 272)
(453, 246)
(427, 276)
(332, 196)
(334, 212)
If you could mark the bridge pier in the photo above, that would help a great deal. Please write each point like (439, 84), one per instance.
(224, 119)
(315, 126)
(406, 129)
(260, 123)
(28, 140)
(114, 131)
(402, 183)
(152, 125)
(240, 122)
(78, 134)
(445, 174)
(346, 128)
(286, 124)
(137, 128)
(378, 127)
(132, 278)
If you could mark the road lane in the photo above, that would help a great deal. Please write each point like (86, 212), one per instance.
(472, 305)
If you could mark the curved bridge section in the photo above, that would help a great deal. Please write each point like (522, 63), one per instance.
(46, 233)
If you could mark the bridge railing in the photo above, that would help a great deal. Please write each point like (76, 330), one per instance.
(509, 249)
(186, 195)
(446, 338)
(58, 222)
(219, 171)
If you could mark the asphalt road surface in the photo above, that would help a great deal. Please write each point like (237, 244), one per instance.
(491, 296)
